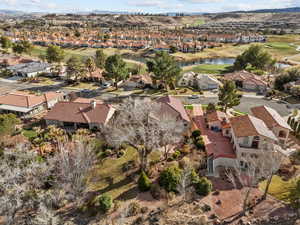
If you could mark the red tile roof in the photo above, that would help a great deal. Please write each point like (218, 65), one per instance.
(172, 104)
(216, 116)
(247, 126)
(77, 112)
(216, 144)
(27, 100)
(245, 77)
(270, 117)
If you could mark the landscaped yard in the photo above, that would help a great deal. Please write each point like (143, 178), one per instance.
(29, 133)
(110, 177)
(207, 68)
(279, 188)
(84, 85)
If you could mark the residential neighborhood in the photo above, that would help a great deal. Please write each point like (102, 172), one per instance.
(149, 116)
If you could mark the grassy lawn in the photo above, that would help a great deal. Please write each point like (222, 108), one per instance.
(177, 91)
(279, 188)
(189, 107)
(83, 85)
(29, 133)
(82, 52)
(207, 68)
(108, 176)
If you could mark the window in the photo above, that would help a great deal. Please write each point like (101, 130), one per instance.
(282, 134)
(241, 163)
(246, 141)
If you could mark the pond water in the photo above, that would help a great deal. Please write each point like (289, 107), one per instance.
(208, 61)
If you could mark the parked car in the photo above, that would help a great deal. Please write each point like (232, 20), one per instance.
(86, 91)
(106, 85)
(193, 97)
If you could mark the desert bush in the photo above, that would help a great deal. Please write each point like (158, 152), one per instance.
(196, 133)
(134, 209)
(184, 163)
(144, 183)
(202, 186)
(185, 149)
(199, 143)
(170, 178)
(176, 155)
(105, 202)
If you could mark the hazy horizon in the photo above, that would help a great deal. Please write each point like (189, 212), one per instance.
(146, 6)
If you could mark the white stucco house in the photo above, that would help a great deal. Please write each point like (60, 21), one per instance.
(31, 69)
(200, 81)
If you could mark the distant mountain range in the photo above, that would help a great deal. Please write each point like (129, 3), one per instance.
(282, 10)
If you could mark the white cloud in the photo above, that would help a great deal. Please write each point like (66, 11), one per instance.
(28, 4)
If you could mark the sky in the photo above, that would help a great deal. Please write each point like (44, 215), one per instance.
(151, 6)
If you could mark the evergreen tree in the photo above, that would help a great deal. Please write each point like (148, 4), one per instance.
(228, 95)
(164, 68)
(254, 56)
(100, 59)
(55, 54)
(116, 68)
(144, 183)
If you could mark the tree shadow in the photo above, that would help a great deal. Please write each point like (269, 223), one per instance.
(128, 195)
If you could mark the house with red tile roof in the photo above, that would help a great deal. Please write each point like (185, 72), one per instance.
(238, 137)
(80, 113)
(26, 104)
(250, 135)
(247, 81)
(274, 122)
(174, 107)
(216, 120)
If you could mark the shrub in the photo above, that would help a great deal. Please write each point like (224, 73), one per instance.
(144, 183)
(170, 178)
(196, 133)
(134, 209)
(199, 143)
(295, 195)
(105, 202)
(202, 186)
(185, 149)
(108, 152)
(176, 154)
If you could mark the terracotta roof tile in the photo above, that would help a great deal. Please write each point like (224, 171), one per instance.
(269, 116)
(171, 104)
(27, 100)
(78, 112)
(246, 126)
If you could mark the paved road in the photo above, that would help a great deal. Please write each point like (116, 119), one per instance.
(246, 104)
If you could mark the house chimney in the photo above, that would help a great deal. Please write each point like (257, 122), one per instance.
(93, 104)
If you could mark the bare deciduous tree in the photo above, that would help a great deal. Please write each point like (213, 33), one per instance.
(73, 162)
(261, 165)
(32, 189)
(143, 125)
(269, 163)
(245, 177)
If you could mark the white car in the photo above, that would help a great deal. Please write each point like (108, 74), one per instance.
(106, 85)
(193, 97)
